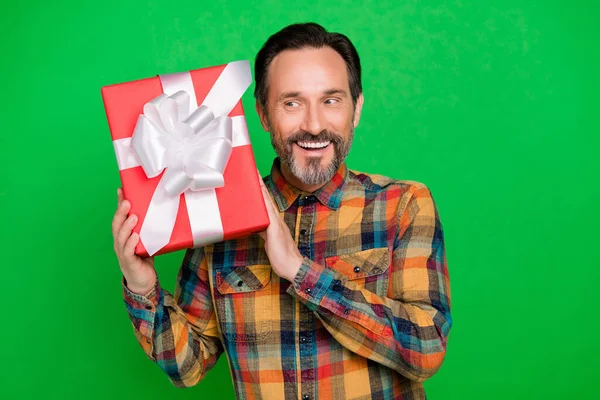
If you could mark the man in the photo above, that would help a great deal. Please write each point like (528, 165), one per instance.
(345, 295)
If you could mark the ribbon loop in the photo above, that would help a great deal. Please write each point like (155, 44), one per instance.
(193, 149)
(200, 118)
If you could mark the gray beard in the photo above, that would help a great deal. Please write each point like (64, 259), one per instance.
(313, 174)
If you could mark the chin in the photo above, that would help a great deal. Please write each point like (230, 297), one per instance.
(304, 160)
(313, 174)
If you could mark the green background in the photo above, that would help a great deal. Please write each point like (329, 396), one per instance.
(493, 105)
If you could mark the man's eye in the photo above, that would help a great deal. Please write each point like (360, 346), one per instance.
(291, 104)
(330, 101)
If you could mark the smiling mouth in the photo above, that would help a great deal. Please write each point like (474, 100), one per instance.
(313, 145)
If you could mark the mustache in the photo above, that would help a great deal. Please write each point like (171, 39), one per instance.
(324, 136)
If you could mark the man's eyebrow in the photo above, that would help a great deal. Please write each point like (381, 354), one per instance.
(287, 95)
(328, 92)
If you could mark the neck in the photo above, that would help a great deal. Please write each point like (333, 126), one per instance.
(294, 181)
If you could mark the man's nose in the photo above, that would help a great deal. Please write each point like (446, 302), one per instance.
(314, 120)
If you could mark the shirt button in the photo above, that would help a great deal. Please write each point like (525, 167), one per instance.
(307, 290)
(347, 311)
(306, 397)
(303, 232)
(240, 283)
(357, 269)
(148, 307)
(303, 339)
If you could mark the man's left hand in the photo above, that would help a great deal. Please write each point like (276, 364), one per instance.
(280, 247)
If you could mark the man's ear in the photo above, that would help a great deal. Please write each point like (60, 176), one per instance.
(262, 115)
(358, 109)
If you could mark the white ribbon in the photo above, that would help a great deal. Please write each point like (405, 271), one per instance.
(192, 146)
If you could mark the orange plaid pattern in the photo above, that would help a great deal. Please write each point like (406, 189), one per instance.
(366, 317)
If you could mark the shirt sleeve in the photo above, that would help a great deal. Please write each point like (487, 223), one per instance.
(407, 330)
(179, 333)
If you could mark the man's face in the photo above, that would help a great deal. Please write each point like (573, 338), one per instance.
(310, 114)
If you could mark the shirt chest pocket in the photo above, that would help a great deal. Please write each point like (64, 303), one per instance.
(369, 269)
(243, 300)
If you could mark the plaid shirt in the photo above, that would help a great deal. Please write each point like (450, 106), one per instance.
(366, 317)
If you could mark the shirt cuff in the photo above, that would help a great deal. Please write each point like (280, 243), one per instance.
(311, 284)
(141, 301)
(142, 311)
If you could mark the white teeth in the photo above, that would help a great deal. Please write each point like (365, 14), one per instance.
(312, 145)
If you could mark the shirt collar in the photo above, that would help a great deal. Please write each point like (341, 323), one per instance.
(285, 194)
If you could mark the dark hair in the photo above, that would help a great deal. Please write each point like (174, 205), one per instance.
(296, 37)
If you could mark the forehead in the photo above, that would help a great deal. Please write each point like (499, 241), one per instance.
(308, 71)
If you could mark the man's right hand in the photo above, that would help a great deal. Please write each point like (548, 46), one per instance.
(138, 272)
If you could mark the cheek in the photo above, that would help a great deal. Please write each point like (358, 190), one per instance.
(285, 127)
(341, 122)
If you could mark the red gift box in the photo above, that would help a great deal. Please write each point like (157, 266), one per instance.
(206, 215)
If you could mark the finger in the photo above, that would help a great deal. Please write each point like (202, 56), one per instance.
(271, 208)
(119, 196)
(125, 231)
(129, 249)
(120, 216)
(264, 187)
(266, 193)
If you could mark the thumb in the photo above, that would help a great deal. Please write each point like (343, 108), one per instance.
(271, 208)
(263, 234)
